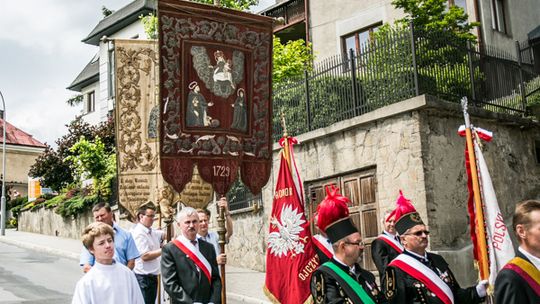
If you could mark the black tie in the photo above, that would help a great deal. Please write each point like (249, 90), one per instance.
(194, 243)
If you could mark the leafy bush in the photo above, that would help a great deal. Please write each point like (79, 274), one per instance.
(76, 205)
(55, 201)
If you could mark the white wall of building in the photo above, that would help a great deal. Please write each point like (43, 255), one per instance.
(521, 18)
(331, 20)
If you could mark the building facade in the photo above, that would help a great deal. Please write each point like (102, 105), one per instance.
(21, 153)
(96, 81)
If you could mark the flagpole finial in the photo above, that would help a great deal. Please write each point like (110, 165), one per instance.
(283, 124)
(465, 105)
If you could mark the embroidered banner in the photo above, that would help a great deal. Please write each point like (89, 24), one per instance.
(215, 95)
(137, 115)
(137, 126)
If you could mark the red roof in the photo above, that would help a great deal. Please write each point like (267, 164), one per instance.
(16, 136)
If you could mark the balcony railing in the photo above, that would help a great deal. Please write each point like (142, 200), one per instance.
(291, 11)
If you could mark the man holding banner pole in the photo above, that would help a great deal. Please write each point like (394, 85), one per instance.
(418, 276)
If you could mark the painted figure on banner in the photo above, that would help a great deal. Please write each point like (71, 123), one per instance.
(240, 113)
(166, 202)
(221, 77)
(153, 119)
(197, 115)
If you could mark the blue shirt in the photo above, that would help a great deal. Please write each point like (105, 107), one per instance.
(124, 248)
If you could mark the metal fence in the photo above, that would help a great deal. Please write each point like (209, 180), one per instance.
(398, 65)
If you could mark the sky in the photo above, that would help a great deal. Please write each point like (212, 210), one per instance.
(41, 53)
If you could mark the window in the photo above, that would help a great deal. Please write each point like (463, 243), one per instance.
(111, 73)
(357, 40)
(458, 3)
(90, 105)
(360, 188)
(498, 17)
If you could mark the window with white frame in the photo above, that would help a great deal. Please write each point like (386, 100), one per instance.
(111, 73)
(90, 105)
(498, 16)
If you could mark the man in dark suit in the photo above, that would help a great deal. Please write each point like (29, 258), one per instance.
(518, 281)
(387, 245)
(418, 276)
(188, 266)
(341, 279)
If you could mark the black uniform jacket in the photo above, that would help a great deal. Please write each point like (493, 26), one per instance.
(183, 281)
(326, 289)
(510, 287)
(382, 255)
(399, 287)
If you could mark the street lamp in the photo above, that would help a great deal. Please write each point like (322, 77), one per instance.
(3, 201)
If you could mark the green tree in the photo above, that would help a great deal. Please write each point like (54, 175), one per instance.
(53, 171)
(234, 4)
(290, 59)
(435, 15)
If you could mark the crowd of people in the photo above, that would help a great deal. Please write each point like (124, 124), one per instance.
(123, 267)
(408, 272)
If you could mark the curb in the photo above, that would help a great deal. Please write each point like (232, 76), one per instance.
(54, 251)
(246, 299)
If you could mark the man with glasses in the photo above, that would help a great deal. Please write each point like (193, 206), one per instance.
(418, 276)
(342, 280)
(148, 242)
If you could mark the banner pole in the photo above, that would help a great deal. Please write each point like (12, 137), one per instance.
(222, 230)
(480, 229)
(286, 151)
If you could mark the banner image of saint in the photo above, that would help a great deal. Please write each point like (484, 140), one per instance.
(215, 95)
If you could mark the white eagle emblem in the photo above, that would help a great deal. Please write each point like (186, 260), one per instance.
(288, 235)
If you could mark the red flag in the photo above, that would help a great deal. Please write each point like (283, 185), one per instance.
(290, 257)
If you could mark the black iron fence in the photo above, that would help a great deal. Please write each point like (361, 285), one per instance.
(398, 65)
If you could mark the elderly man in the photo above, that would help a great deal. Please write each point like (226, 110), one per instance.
(387, 245)
(342, 280)
(418, 276)
(188, 265)
(519, 280)
(125, 250)
(211, 236)
(148, 243)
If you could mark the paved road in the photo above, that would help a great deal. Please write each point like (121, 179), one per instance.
(28, 276)
(31, 277)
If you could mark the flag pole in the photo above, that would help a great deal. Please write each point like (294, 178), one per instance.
(480, 229)
(286, 150)
(221, 231)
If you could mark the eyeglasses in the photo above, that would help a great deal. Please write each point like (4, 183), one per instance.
(150, 215)
(359, 243)
(419, 233)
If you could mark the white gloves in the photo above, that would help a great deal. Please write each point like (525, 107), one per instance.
(481, 288)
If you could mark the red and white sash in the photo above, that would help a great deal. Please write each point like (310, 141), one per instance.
(392, 242)
(424, 274)
(195, 255)
(322, 243)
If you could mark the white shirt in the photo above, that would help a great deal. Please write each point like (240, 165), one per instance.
(108, 284)
(212, 238)
(146, 240)
(534, 260)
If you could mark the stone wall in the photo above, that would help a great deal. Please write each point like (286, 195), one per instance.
(46, 221)
(413, 145)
